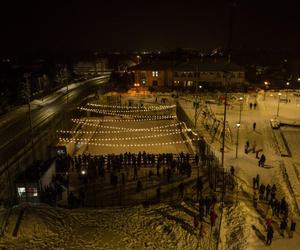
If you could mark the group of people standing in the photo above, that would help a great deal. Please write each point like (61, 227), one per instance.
(279, 208)
(206, 208)
(262, 158)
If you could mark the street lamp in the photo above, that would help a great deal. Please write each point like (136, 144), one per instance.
(238, 127)
(266, 87)
(286, 92)
(196, 103)
(279, 94)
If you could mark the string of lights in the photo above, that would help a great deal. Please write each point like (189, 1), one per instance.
(122, 120)
(132, 108)
(99, 111)
(64, 140)
(90, 123)
(129, 138)
(120, 131)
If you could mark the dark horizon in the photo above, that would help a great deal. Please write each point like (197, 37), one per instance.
(56, 27)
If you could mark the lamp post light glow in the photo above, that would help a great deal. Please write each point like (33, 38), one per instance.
(238, 128)
(266, 87)
(286, 92)
(279, 94)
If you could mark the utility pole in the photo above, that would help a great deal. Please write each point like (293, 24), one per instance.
(197, 100)
(27, 94)
(279, 94)
(67, 91)
(224, 119)
(233, 5)
(238, 128)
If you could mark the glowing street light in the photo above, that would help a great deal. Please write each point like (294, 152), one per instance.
(279, 94)
(286, 92)
(238, 127)
(266, 87)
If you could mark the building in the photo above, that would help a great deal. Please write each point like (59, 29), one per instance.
(210, 73)
(154, 74)
(90, 68)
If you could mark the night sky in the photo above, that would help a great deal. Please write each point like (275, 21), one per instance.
(67, 25)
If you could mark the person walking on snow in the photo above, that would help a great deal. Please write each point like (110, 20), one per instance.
(268, 191)
(283, 226)
(257, 181)
(253, 147)
(262, 160)
(270, 235)
(255, 198)
(196, 222)
(213, 217)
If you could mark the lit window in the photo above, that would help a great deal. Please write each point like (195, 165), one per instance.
(155, 73)
(32, 192)
(21, 191)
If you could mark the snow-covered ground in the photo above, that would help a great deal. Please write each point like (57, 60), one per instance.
(170, 225)
(278, 170)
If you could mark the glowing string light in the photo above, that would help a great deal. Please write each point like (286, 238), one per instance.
(83, 122)
(121, 120)
(130, 138)
(119, 131)
(64, 140)
(132, 108)
(98, 111)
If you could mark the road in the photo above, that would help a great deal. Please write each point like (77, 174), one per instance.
(15, 126)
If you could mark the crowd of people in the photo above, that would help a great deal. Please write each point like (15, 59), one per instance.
(252, 148)
(121, 168)
(276, 207)
(89, 167)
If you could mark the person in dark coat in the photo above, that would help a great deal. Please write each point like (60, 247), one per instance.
(262, 160)
(270, 235)
(261, 191)
(254, 183)
(196, 159)
(273, 191)
(213, 217)
(199, 185)
(268, 191)
(283, 226)
(255, 198)
(257, 181)
(201, 211)
(232, 170)
(207, 205)
(254, 126)
(292, 229)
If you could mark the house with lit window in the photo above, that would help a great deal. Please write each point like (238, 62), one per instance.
(211, 73)
(154, 74)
